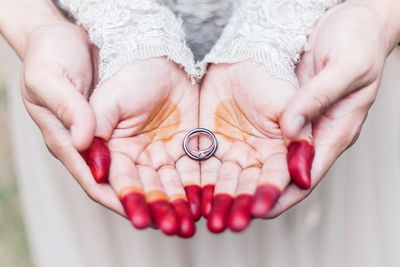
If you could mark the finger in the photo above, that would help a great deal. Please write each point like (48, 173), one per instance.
(300, 156)
(174, 189)
(107, 113)
(240, 215)
(60, 144)
(315, 96)
(98, 158)
(209, 174)
(325, 156)
(162, 213)
(209, 170)
(188, 169)
(305, 69)
(125, 181)
(273, 180)
(70, 107)
(225, 189)
(189, 172)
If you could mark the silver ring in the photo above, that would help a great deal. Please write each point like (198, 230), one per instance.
(201, 154)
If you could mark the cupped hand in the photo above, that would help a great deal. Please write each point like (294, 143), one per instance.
(144, 112)
(339, 78)
(241, 103)
(56, 82)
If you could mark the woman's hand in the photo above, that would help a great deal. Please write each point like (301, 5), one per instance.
(241, 103)
(144, 112)
(339, 76)
(56, 82)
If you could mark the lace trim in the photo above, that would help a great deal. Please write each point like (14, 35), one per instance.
(271, 32)
(130, 30)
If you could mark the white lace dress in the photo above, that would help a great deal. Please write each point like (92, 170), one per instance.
(351, 219)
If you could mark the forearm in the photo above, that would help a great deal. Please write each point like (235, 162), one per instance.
(18, 18)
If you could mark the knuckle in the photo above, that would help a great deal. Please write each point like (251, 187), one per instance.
(321, 102)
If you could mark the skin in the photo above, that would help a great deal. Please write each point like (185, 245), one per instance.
(144, 130)
(56, 81)
(241, 103)
(336, 107)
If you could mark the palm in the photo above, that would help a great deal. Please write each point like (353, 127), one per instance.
(144, 111)
(241, 103)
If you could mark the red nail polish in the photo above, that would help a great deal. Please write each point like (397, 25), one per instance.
(217, 219)
(98, 158)
(239, 215)
(193, 193)
(164, 217)
(207, 194)
(300, 158)
(136, 209)
(264, 199)
(182, 210)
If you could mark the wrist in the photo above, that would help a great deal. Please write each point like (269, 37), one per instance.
(19, 19)
(387, 13)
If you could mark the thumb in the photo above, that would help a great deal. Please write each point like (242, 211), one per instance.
(71, 108)
(300, 156)
(106, 111)
(314, 98)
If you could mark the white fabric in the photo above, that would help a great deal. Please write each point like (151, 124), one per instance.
(128, 30)
(271, 32)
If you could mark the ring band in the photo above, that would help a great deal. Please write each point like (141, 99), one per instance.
(201, 154)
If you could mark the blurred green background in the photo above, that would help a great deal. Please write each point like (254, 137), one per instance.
(13, 241)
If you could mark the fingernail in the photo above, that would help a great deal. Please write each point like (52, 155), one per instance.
(239, 215)
(136, 209)
(264, 199)
(193, 194)
(300, 158)
(217, 218)
(207, 194)
(98, 158)
(182, 210)
(297, 123)
(164, 217)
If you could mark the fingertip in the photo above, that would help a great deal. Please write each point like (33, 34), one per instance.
(83, 127)
(239, 216)
(105, 113)
(217, 219)
(183, 212)
(265, 198)
(98, 158)
(300, 158)
(291, 124)
(193, 193)
(164, 217)
(207, 194)
(136, 209)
